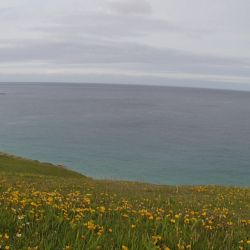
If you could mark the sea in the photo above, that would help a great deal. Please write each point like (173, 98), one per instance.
(156, 134)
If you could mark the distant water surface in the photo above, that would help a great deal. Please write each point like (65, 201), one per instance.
(154, 134)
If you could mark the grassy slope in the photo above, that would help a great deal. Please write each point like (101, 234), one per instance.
(47, 207)
(16, 165)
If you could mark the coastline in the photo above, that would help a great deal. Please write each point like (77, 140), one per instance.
(67, 168)
(67, 210)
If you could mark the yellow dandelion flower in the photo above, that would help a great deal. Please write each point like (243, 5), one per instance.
(177, 216)
(100, 231)
(102, 209)
(156, 239)
(204, 214)
(91, 225)
(172, 221)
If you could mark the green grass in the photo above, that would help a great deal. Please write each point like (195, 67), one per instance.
(43, 206)
(17, 165)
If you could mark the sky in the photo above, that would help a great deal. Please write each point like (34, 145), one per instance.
(198, 43)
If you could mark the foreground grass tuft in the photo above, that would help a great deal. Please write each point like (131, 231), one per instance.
(47, 207)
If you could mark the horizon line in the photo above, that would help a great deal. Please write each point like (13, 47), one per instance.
(126, 84)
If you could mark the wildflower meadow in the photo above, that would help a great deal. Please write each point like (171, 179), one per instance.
(49, 207)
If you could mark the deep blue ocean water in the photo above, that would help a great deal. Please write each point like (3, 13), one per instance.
(155, 134)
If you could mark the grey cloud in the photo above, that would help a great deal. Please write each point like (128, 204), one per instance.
(127, 7)
(106, 25)
(6, 10)
(128, 55)
(116, 35)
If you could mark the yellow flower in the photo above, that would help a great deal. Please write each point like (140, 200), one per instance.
(100, 231)
(180, 247)
(204, 214)
(133, 226)
(34, 204)
(125, 216)
(248, 242)
(156, 239)
(91, 225)
(124, 247)
(20, 217)
(7, 247)
(18, 235)
(50, 199)
(102, 209)
(172, 220)
(177, 216)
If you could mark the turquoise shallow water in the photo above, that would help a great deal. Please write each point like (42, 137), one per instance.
(154, 134)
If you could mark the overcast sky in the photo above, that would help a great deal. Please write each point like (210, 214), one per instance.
(182, 42)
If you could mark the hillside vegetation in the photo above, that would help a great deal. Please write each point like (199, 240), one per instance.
(49, 207)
